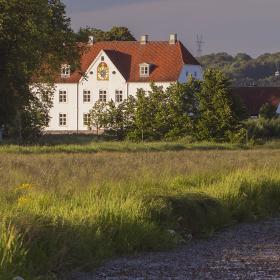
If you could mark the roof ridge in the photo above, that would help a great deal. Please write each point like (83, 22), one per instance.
(131, 42)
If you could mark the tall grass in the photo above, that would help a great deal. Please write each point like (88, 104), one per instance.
(72, 211)
(12, 251)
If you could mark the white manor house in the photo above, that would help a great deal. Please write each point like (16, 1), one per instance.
(113, 71)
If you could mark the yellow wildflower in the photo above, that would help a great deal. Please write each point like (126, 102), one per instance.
(23, 200)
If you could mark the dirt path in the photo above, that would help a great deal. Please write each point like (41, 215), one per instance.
(247, 251)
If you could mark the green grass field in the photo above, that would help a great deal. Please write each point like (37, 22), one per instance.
(62, 211)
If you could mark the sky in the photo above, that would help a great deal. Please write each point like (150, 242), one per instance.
(233, 26)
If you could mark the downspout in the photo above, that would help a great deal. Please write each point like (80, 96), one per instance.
(127, 90)
(78, 108)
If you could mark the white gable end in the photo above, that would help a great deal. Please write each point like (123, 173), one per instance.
(188, 70)
(107, 88)
(92, 70)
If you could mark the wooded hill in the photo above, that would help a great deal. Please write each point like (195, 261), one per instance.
(245, 70)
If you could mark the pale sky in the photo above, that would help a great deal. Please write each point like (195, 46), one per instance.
(250, 26)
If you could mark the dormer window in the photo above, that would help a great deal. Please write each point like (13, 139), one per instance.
(65, 71)
(144, 70)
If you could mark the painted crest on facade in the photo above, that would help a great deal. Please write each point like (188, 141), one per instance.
(103, 72)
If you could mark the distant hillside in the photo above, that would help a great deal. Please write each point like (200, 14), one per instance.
(245, 70)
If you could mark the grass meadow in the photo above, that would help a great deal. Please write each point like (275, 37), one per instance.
(64, 210)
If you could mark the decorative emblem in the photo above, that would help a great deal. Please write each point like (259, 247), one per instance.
(103, 72)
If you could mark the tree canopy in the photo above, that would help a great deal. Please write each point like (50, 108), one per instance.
(202, 110)
(116, 33)
(35, 38)
(244, 70)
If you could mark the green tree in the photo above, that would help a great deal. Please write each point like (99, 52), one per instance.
(116, 33)
(119, 33)
(99, 116)
(181, 108)
(84, 33)
(115, 119)
(216, 116)
(143, 116)
(268, 111)
(35, 38)
(244, 70)
(150, 118)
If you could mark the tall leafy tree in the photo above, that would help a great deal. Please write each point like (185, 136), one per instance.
(143, 116)
(181, 108)
(215, 106)
(35, 39)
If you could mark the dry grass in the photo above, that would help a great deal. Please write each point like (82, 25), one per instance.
(55, 171)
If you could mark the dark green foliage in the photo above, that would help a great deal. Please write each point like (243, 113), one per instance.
(244, 70)
(202, 110)
(216, 118)
(263, 129)
(181, 109)
(119, 118)
(35, 39)
(116, 33)
(268, 111)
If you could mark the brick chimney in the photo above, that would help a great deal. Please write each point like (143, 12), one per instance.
(173, 39)
(144, 39)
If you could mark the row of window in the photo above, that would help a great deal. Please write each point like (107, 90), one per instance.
(87, 96)
(63, 119)
(103, 70)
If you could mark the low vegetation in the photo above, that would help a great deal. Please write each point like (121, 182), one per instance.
(263, 129)
(70, 211)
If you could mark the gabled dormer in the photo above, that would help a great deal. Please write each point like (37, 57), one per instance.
(144, 70)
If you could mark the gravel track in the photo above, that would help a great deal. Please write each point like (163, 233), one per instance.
(246, 251)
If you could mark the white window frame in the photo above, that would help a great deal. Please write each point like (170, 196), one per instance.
(86, 96)
(65, 71)
(62, 119)
(103, 95)
(86, 119)
(62, 96)
(119, 96)
(144, 70)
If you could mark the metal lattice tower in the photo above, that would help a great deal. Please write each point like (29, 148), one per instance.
(199, 43)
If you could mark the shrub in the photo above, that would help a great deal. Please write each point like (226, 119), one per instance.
(238, 137)
(268, 111)
(263, 128)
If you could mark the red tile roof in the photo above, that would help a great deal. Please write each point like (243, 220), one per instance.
(167, 60)
(254, 97)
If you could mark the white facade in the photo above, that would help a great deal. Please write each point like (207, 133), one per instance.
(75, 105)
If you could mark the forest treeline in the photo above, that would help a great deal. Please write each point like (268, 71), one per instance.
(244, 70)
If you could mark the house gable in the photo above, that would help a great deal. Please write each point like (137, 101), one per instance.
(104, 57)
